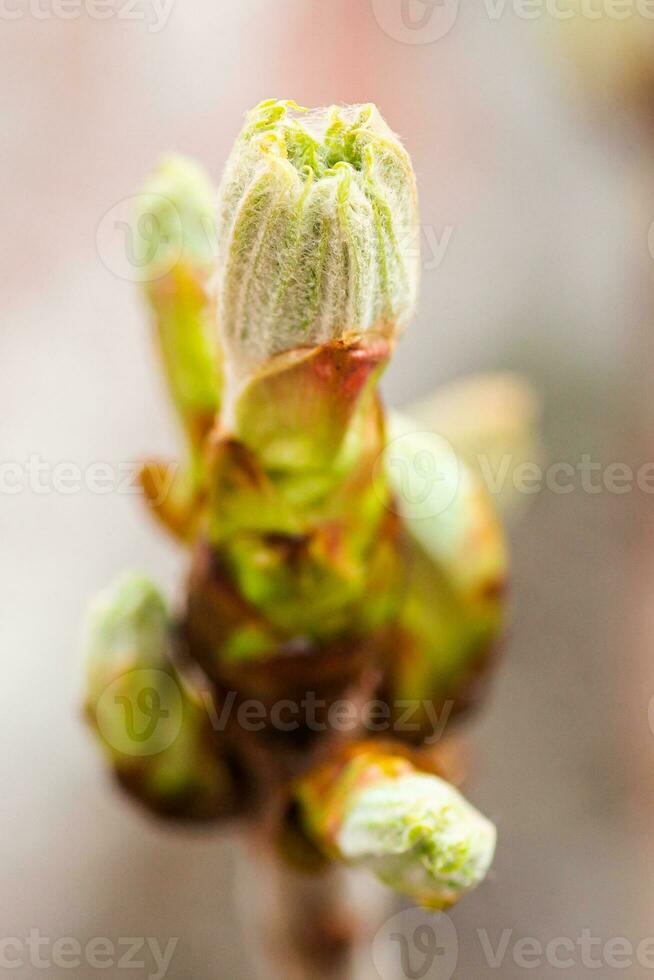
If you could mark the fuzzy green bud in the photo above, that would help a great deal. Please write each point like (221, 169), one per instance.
(412, 829)
(317, 231)
(420, 836)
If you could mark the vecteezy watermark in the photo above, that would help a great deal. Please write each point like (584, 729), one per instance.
(565, 952)
(144, 953)
(42, 476)
(568, 10)
(422, 467)
(153, 13)
(424, 472)
(434, 245)
(427, 21)
(135, 244)
(405, 715)
(563, 477)
(141, 238)
(416, 21)
(416, 944)
(426, 476)
(141, 713)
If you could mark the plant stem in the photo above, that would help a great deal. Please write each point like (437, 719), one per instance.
(299, 924)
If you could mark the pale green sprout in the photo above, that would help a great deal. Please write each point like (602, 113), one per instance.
(419, 836)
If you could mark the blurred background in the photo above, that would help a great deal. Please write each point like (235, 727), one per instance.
(532, 137)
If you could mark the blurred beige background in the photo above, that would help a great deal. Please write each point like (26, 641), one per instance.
(544, 204)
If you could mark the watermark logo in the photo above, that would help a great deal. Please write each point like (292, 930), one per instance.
(564, 952)
(435, 245)
(153, 13)
(400, 715)
(415, 944)
(416, 21)
(421, 466)
(42, 476)
(426, 21)
(141, 238)
(147, 954)
(423, 471)
(132, 240)
(141, 712)
(563, 11)
(427, 244)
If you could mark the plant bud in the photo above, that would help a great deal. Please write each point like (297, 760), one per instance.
(317, 232)
(154, 728)
(412, 829)
(174, 217)
(126, 629)
(420, 837)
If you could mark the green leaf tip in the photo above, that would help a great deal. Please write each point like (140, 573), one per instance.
(174, 232)
(317, 229)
